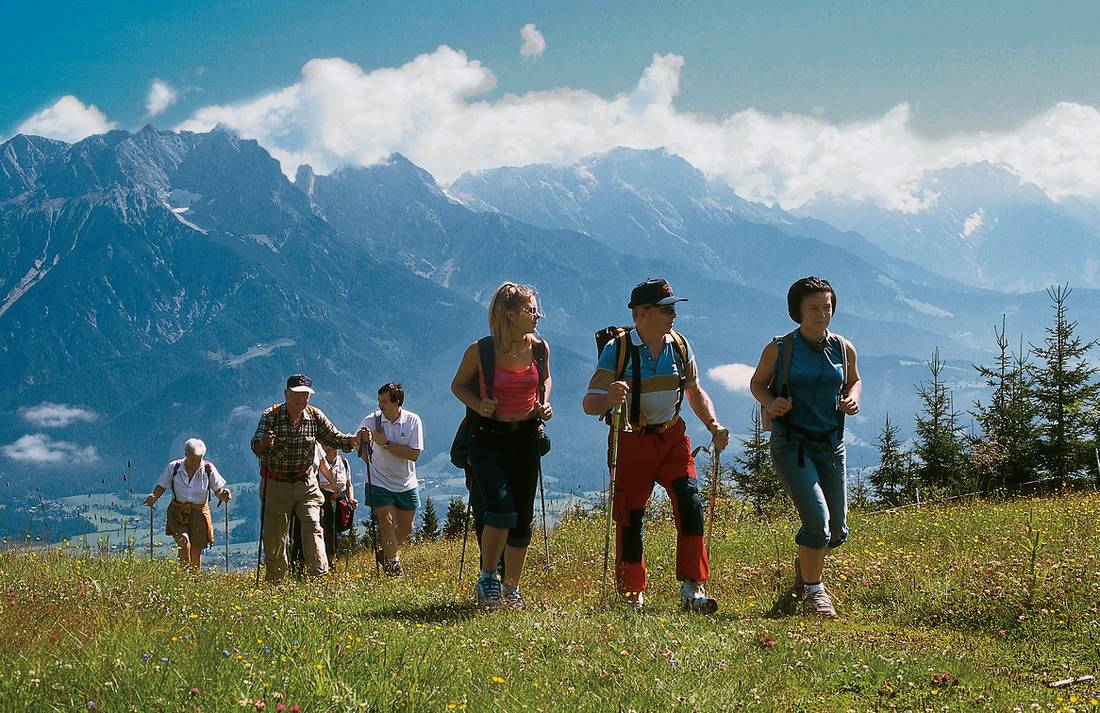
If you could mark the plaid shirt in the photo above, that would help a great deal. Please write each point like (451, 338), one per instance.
(295, 446)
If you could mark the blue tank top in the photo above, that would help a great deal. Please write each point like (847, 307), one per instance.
(816, 380)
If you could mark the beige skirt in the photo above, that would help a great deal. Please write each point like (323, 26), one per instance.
(192, 520)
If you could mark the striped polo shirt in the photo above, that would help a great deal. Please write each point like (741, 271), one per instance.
(660, 377)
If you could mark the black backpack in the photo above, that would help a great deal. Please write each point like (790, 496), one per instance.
(780, 385)
(460, 447)
(627, 354)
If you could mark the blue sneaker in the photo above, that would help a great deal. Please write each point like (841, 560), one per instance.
(488, 590)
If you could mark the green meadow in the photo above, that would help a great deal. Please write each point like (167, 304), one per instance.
(976, 606)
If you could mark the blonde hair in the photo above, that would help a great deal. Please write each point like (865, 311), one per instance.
(509, 295)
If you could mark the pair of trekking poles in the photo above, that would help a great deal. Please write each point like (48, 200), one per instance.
(616, 426)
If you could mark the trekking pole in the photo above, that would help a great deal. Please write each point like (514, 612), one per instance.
(260, 544)
(373, 515)
(465, 536)
(716, 470)
(151, 511)
(616, 419)
(545, 532)
(226, 536)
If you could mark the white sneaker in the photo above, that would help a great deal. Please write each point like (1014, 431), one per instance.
(693, 597)
(636, 600)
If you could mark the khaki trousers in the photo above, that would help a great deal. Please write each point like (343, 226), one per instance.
(304, 499)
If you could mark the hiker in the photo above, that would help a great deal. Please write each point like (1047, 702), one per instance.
(286, 441)
(807, 381)
(191, 479)
(653, 367)
(397, 435)
(508, 403)
(334, 478)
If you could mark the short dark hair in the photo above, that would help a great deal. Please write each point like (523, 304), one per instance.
(395, 391)
(802, 289)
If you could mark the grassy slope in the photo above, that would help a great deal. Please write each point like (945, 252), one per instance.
(921, 594)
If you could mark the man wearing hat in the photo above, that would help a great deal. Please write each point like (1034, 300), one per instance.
(191, 480)
(650, 368)
(286, 442)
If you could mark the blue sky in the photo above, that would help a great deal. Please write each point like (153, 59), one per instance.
(959, 65)
(852, 97)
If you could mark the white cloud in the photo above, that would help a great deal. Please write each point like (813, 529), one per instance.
(67, 120)
(161, 96)
(734, 377)
(432, 111)
(40, 449)
(51, 415)
(534, 44)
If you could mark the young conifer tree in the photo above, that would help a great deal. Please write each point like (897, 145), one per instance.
(456, 519)
(1006, 452)
(754, 473)
(891, 477)
(939, 436)
(429, 523)
(1066, 392)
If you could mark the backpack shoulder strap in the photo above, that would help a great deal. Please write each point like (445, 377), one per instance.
(487, 358)
(785, 345)
(378, 421)
(542, 363)
(680, 353)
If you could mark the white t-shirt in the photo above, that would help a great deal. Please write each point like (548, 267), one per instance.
(386, 469)
(191, 489)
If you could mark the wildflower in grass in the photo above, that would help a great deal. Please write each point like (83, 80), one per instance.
(259, 704)
(146, 656)
(194, 690)
(225, 653)
(498, 679)
(92, 705)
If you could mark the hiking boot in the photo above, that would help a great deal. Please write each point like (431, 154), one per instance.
(636, 600)
(512, 597)
(693, 597)
(818, 604)
(488, 590)
(394, 569)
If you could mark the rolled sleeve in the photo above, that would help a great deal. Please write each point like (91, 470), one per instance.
(605, 368)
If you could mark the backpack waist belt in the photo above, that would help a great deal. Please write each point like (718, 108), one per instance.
(656, 428)
(287, 476)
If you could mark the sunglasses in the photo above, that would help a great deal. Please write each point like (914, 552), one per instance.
(670, 310)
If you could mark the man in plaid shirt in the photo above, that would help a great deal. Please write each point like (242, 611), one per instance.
(286, 442)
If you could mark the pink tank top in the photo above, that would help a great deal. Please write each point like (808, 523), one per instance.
(515, 391)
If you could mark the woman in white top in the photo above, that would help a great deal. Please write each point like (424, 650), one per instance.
(191, 480)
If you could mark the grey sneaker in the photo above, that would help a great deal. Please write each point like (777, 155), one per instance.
(636, 600)
(512, 597)
(394, 569)
(693, 597)
(818, 604)
(488, 591)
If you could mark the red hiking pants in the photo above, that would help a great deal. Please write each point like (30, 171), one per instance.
(646, 459)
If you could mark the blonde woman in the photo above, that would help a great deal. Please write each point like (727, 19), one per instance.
(507, 400)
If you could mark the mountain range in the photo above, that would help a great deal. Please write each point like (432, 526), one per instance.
(163, 284)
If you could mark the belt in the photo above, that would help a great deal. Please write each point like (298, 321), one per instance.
(656, 428)
(284, 477)
(506, 426)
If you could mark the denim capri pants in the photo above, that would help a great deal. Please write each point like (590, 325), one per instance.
(816, 484)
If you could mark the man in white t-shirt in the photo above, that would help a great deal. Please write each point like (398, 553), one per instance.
(398, 438)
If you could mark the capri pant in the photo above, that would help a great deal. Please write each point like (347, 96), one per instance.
(504, 459)
(816, 483)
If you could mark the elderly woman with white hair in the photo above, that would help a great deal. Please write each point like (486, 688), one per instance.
(191, 480)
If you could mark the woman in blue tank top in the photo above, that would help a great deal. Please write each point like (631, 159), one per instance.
(807, 381)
